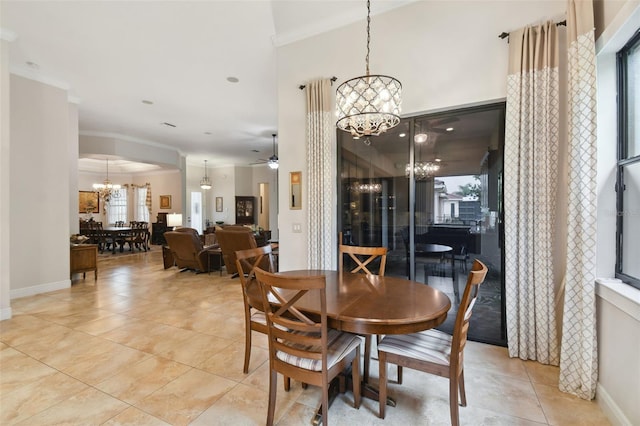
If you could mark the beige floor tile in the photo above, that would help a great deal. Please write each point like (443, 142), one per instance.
(36, 396)
(230, 361)
(88, 407)
(543, 374)
(104, 324)
(196, 349)
(134, 417)
(564, 409)
(185, 398)
(94, 360)
(29, 328)
(136, 381)
(19, 369)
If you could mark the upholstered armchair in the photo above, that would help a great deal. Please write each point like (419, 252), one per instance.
(187, 249)
(232, 239)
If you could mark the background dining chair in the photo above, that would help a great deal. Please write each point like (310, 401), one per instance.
(433, 351)
(363, 258)
(254, 319)
(301, 346)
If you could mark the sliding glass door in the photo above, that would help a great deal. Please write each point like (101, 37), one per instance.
(430, 191)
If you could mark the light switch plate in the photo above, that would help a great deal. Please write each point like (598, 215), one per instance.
(297, 228)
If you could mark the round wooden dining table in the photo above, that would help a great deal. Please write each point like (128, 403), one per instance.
(372, 304)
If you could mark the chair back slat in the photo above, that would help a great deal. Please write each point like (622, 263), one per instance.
(362, 257)
(461, 328)
(292, 332)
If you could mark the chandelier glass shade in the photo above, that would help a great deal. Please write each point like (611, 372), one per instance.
(107, 189)
(205, 183)
(421, 170)
(368, 105)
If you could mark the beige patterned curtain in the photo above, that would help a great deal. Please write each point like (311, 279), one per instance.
(320, 128)
(579, 353)
(530, 190)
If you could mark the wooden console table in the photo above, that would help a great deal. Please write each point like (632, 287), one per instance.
(84, 258)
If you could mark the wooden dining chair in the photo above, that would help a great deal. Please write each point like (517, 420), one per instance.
(254, 319)
(363, 258)
(301, 346)
(433, 351)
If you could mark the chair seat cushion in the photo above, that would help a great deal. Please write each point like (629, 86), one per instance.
(259, 317)
(340, 344)
(429, 345)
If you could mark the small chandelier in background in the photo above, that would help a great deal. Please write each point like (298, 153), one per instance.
(106, 189)
(273, 160)
(205, 183)
(422, 170)
(364, 188)
(370, 104)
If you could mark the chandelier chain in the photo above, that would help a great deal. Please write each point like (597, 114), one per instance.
(368, 32)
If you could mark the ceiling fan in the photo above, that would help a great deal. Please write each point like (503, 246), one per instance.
(272, 162)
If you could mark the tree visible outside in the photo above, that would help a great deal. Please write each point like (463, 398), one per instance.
(471, 189)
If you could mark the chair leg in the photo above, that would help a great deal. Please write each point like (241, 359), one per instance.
(355, 376)
(273, 388)
(287, 383)
(382, 384)
(453, 400)
(463, 396)
(247, 348)
(399, 374)
(367, 357)
(325, 403)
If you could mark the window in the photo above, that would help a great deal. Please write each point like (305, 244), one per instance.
(117, 209)
(140, 209)
(628, 176)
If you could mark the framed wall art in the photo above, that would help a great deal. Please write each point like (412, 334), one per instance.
(165, 202)
(218, 204)
(88, 202)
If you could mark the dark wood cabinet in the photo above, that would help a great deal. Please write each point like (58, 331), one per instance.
(83, 259)
(245, 210)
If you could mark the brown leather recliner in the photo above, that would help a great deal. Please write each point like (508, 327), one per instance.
(232, 239)
(187, 249)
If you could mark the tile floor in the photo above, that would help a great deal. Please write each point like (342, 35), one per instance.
(148, 346)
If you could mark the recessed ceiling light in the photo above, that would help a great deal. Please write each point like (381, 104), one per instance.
(207, 133)
(437, 160)
(402, 135)
(232, 79)
(148, 102)
(168, 124)
(449, 129)
(254, 150)
(33, 65)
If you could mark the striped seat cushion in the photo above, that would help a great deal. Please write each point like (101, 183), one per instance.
(259, 317)
(340, 344)
(430, 345)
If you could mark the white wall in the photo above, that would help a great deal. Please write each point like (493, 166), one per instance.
(39, 187)
(5, 224)
(446, 54)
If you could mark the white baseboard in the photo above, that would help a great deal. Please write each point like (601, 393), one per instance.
(5, 313)
(38, 289)
(610, 408)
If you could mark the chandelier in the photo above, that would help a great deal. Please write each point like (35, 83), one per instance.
(106, 189)
(363, 188)
(273, 160)
(421, 170)
(370, 104)
(205, 183)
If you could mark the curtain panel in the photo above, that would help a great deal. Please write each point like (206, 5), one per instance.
(320, 128)
(579, 353)
(530, 192)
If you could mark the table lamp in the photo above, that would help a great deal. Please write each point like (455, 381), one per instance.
(175, 220)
